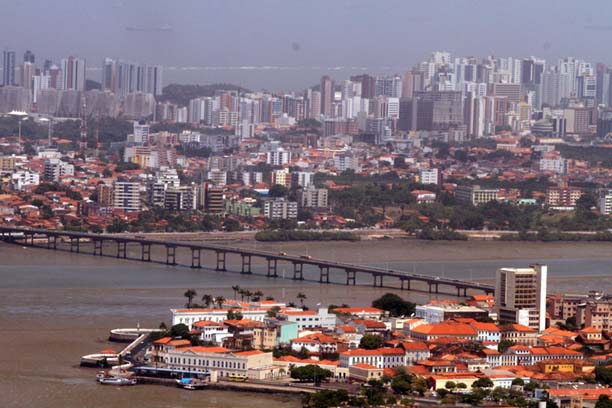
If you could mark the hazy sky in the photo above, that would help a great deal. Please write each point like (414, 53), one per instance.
(384, 35)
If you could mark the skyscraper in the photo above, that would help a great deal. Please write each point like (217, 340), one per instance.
(520, 295)
(73, 73)
(327, 95)
(124, 77)
(8, 68)
(28, 56)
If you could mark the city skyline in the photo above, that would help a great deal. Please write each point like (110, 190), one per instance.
(315, 34)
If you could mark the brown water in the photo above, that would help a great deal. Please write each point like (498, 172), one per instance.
(56, 306)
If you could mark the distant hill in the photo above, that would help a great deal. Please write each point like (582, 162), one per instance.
(181, 94)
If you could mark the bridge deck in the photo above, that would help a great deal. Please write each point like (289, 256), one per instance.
(321, 263)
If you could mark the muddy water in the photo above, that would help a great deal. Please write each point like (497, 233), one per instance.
(56, 306)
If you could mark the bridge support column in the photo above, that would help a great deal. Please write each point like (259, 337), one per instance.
(378, 280)
(246, 264)
(196, 259)
(97, 250)
(351, 277)
(74, 245)
(145, 252)
(431, 286)
(31, 240)
(170, 255)
(272, 268)
(298, 271)
(51, 242)
(324, 274)
(121, 249)
(221, 261)
(407, 287)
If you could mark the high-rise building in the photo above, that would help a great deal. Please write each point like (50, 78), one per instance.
(73, 73)
(368, 85)
(520, 296)
(389, 86)
(327, 91)
(439, 110)
(28, 56)
(124, 77)
(26, 75)
(8, 68)
(126, 196)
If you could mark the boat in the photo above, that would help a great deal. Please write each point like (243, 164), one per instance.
(191, 383)
(112, 380)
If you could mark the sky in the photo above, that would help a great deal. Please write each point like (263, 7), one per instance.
(290, 43)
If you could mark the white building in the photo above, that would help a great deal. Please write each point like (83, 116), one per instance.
(346, 162)
(386, 357)
(278, 157)
(556, 165)
(520, 295)
(191, 316)
(605, 201)
(55, 169)
(21, 179)
(280, 209)
(429, 176)
(308, 319)
(126, 196)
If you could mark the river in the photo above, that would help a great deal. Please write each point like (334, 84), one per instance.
(56, 306)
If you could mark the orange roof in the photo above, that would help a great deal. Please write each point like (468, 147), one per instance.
(201, 349)
(519, 328)
(365, 366)
(453, 329)
(314, 338)
(590, 329)
(204, 323)
(358, 310)
(249, 353)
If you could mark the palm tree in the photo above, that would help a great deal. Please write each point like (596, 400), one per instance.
(257, 295)
(241, 292)
(248, 294)
(220, 300)
(190, 294)
(301, 297)
(236, 290)
(207, 299)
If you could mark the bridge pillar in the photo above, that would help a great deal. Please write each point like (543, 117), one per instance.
(324, 275)
(430, 286)
(51, 242)
(97, 250)
(246, 264)
(464, 292)
(402, 284)
(378, 280)
(436, 287)
(350, 277)
(196, 259)
(458, 291)
(145, 252)
(170, 255)
(74, 244)
(221, 261)
(298, 269)
(272, 264)
(121, 249)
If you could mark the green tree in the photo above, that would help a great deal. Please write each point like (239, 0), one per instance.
(278, 190)
(504, 345)
(301, 297)
(180, 330)
(370, 341)
(603, 402)
(518, 381)
(395, 305)
(310, 373)
(208, 300)
(483, 382)
(236, 290)
(190, 294)
(450, 385)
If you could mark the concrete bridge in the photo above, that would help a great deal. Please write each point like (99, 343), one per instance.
(116, 246)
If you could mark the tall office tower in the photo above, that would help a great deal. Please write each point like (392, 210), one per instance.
(511, 91)
(315, 104)
(28, 56)
(555, 86)
(520, 296)
(570, 66)
(26, 73)
(414, 81)
(327, 91)
(439, 110)
(368, 85)
(73, 73)
(389, 86)
(440, 58)
(604, 85)
(8, 68)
